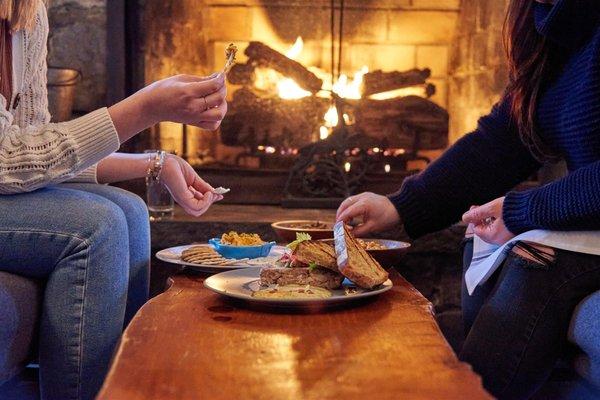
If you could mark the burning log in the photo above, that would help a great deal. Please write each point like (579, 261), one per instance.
(259, 54)
(271, 121)
(404, 122)
(241, 74)
(379, 81)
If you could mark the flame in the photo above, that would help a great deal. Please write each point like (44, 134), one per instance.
(350, 89)
(323, 132)
(331, 117)
(296, 49)
(286, 88)
(409, 91)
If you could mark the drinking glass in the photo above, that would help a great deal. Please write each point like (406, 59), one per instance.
(159, 200)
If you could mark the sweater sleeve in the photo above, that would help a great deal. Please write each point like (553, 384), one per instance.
(37, 156)
(479, 167)
(33, 105)
(35, 153)
(570, 203)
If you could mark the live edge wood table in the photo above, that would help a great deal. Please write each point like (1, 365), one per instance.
(190, 343)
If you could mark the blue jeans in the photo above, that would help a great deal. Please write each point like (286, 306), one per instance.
(517, 322)
(90, 244)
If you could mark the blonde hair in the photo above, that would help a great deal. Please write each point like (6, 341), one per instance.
(20, 13)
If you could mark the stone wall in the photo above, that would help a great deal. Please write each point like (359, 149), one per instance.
(78, 40)
(478, 70)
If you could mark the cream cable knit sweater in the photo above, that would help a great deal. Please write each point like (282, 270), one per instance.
(33, 152)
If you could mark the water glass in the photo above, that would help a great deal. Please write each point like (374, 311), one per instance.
(159, 200)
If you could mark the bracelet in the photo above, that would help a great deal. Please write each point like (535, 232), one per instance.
(155, 167)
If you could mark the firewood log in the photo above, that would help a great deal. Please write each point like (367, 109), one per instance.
(241, 74)
(260, 54)
(402, 120)
(255, 120)
(379, 81)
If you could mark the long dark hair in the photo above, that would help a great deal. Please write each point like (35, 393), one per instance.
(531, 59)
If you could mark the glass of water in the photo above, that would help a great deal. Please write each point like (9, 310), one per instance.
(159, 200)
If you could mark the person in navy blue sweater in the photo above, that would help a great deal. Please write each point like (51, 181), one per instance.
(551, 110)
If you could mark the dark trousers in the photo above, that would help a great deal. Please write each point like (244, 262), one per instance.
(516, 323)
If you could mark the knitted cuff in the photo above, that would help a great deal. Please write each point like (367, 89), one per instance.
(515, 212)
(411, 208)
(95, 135)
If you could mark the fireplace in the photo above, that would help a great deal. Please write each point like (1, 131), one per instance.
(329, 97)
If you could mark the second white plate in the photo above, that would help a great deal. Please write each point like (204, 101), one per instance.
(173, 255)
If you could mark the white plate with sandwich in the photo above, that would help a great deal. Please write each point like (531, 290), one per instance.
(314, 275)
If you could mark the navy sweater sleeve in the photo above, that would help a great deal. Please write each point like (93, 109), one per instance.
(571, 203)
(479, 167)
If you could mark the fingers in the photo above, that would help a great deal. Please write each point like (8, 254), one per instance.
(478, 214)
(215, 99)
(363, 229)
(355, 210)
(196, 206)
(347, 203)
(201, 185)
(214, 114)
(208, 86)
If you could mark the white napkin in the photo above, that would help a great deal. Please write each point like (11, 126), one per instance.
(488, 257)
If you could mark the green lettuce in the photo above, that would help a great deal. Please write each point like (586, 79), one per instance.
(300, 237)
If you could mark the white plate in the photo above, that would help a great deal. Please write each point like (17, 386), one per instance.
(241, 283)
(173, 255)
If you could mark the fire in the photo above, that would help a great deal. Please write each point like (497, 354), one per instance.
(296, 49)
(331, 117)
(350, 89)
(286, 88)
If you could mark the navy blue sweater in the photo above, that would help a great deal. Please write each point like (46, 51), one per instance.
(488, 162)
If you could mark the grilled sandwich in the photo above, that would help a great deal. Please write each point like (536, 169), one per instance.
(311, 263)
(353, 260)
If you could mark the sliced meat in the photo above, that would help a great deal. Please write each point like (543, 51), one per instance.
(318, 277)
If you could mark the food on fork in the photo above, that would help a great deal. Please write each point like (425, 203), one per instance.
(221, 190)
(241, 239)
(353, 260)
(230, 53)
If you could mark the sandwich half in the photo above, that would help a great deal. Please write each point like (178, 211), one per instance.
(314, 252)
(354, 262)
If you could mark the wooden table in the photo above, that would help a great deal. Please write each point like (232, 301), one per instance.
(190, 343)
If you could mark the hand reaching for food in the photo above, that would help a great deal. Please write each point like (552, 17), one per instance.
(190, 191)
(377, 213)
(488, 223)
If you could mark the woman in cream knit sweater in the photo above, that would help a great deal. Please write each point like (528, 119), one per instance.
(88, 242)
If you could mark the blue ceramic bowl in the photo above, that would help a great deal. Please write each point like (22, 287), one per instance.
(239, 252)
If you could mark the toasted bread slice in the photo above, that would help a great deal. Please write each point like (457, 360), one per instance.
(319, 277)
(320, 253)
(353, 260)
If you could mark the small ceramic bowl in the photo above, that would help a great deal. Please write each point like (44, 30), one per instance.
(239, 252)
(286, 230)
